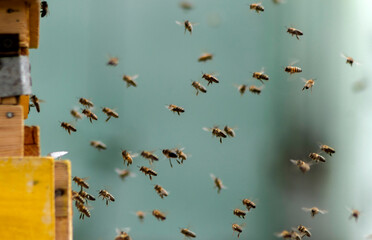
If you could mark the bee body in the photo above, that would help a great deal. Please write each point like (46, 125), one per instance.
(86, 103)
(159, 215)
(81, 182)
(84, 211)
(168, 153)
(239, 213)
(44, 8)
(106, 195)
(86, 196)
(110, 113)
(149, 156)
(148, 171)
(175, 109)
(248, 204)
(210, 78)
(76, 114)
(130, 80)
(303, 166)
(302, 229)
(229, 131)
(68, 127)
(161, 191)
(98, 145)
(292, 69)
(237, 228)
(294, 32)
(255, 90)
(89, 114)
(188, 233)
(113, 61)
(198, 87)
(205, 57)
(309, 84)
(316, 157)
(327, 149)
(257, 7)
(128, 157)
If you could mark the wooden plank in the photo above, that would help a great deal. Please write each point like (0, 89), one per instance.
(63, 201)
(9, 100)
(32, 141)
(24, 101)
(34, 23)
(11, 131)
(27, 198)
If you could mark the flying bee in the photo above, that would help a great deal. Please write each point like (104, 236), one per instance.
(106, 195)
(349, 60)
(240, 213)
(68, 127)
(86, 196)
(316, 157)
(76, 197)
(161, 191)
(255, 90)
(175, 109)
(217, 183)
(237, 228)
(210, 78)
(44, 8)
(124, 173)
(314, 211)
(294, 31)
(81, 182)
(354, 214)
(187, 233)
(327, 149)
(148, 171)
(84, 211)
(76, 114)
(98, 145)
(141, 215)
(302, 229)
(198, 87)
(123, 234)
(168, 153)
(130, 80)
(229, 131)
(261, 76)
(308, 84)
(303, 166)
(110, 113)
(241, 88)
(292, 69)
(284, 234)
(86, 103)
(205, 57)
(277, 1)
(186, 5)
(35, 102)
(149, 156)
(89, 114)
(295, 235)
(257, 7)
(181, 155)
(216, 132)
(187, 24)
(128, 157)
(248, 204)
(113, 61)
(159, 215)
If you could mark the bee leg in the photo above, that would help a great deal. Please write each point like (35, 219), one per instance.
(90, 119)
(238, 235)
(220, 140)
(297, 37)
(108, 118)
(261, 81)
(68, 130)
(150, 177)
(197, 92)
(106, 202)
(178, 161)
(170, 162)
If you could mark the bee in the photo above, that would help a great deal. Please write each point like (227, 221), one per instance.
(175, 109)
(198, 87)
(248, 204)
(149, 156)
(181, 155)
(113, 61)
(349, 60)
(35, 102)
(186, 5)
(229, 131)
(314, 211)
(86, 196)
(292, 69)
(68, 127)
(123, 234)
(295, 235)
(217, 183)
(237, 228)
(159, 215)
(141, 215)
(241, 88)
(294, 31)
(354, 214)
(128, 157)
(257, 7)
(161, 191)
(84, 211)
(216, 132)
(124, 173)
(205, 57)
(86, 103)
(110, 113)
(188, 233)
(316, 157)
(89, 114)
(260, 76)
(304, 230)
(148, 171)
(308, 84)
(187, 24)
(255, 90)
(210, 78)
(98, 145)
(81, 182)
(303, 166)
(277, 1)
(327, 149)
(130, 80)
(284, 234)
(106, 195)
(240, 213)
(44, 8)
(170, 154)
(76, 197)
(76, 114)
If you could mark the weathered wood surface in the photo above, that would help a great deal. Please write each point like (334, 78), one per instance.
(11, 131)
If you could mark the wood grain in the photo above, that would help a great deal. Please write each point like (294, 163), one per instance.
(31, 141)
(11, 131)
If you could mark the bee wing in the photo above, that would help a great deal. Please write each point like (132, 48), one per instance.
(180, 23)
(135, 77)
(134, 155)
(369, 236)
(194, 24)
(304, 80)
(224, 187)
(212, 176)
(118, 231)
(262, 69)
(343, 55)
(323, 211)
(168, 107)
(306, 209)
(57, 154)
(118, 171)
(294, 62)
(207, 129)
(293, 161)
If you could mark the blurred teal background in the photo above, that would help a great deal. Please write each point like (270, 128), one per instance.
(282, 123)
